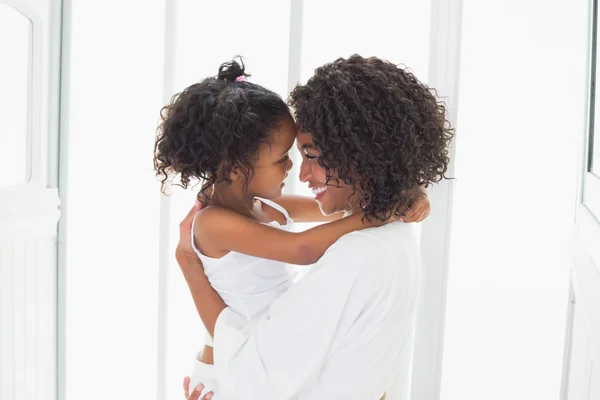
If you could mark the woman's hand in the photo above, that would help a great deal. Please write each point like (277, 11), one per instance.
(195, 395)
(185, 252)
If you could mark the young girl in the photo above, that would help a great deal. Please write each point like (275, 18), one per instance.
(235, 136)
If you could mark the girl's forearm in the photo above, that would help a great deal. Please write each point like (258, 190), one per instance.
(317, 240)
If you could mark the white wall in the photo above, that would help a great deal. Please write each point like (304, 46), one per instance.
(521, 110)
(394, 30)
(112, 94)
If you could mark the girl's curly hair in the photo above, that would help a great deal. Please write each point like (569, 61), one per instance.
(215, 125)
(378, 127)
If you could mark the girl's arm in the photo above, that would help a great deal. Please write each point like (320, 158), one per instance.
(225, 230)
(305, 209)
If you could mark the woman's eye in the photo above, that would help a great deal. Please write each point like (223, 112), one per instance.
(308, 157)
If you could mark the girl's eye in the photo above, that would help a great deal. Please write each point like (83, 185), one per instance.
(284, 159)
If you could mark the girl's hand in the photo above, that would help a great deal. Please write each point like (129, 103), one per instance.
(419, 210)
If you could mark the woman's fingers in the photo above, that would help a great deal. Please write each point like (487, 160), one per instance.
(186, 386)
(195, 395)
(187, 221)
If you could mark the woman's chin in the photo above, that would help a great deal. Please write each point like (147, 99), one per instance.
(325, 209)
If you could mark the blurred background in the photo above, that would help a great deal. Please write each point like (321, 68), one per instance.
(93, 305)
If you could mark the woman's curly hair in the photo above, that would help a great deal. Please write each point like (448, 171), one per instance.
(215, 125)
(378, 127)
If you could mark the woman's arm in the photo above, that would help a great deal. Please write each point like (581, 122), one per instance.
(210, 305)
(208, 302)
(225, 230)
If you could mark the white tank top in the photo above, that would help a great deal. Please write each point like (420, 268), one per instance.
(247, 284)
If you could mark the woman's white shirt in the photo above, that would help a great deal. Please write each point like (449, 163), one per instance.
(338, 333)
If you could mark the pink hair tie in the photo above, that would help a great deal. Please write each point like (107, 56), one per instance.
(240, 78)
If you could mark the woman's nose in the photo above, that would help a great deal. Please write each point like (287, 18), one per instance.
(304, 171)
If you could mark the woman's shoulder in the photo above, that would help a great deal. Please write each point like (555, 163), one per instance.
(379, 247)
(389, 235)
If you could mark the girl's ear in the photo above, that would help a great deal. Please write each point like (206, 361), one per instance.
(235, 174)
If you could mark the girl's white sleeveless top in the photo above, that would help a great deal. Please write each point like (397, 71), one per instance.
(248, 284)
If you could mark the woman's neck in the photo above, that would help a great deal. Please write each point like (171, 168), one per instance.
(352, 210)
(353, 204)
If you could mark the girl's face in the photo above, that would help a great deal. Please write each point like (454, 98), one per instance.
(271, 168)
(332, 197)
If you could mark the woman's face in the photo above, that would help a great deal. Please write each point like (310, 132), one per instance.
(333, 197)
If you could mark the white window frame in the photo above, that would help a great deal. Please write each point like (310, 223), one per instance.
(29, 218)
(444, 72)
(588, 212)
(35, 167)
(587, 224)
(585, 243)
(294, 76)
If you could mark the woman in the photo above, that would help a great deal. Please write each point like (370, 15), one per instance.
(370, 133)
